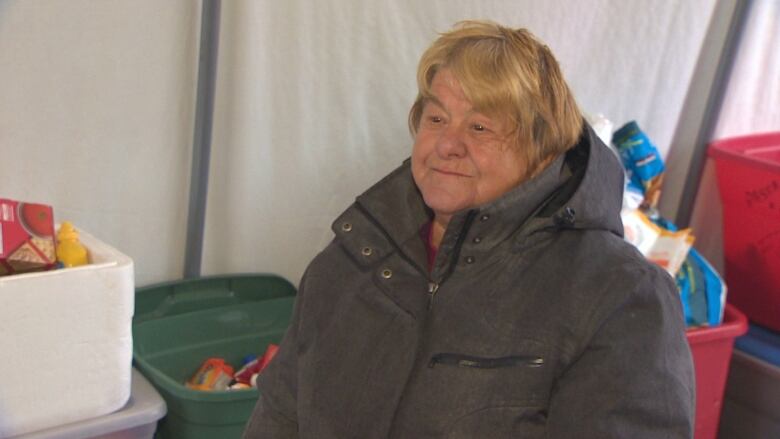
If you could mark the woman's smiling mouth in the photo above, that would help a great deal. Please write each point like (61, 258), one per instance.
(448, 172)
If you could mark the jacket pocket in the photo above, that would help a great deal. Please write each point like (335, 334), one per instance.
(462, 383)
(461, 360)
(502, 396)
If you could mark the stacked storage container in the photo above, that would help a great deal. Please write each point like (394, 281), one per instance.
(180, 324)
(752, 405)
(748, 171)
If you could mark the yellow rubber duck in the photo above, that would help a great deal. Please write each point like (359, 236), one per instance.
(70, 252)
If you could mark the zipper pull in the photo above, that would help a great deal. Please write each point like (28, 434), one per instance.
(432, 288)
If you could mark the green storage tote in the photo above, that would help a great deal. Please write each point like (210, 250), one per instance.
(178, 325)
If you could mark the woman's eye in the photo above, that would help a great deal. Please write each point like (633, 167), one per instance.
(435, 119)
(479, 127)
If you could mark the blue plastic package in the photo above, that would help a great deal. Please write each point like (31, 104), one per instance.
(642, 161)
(702, 290)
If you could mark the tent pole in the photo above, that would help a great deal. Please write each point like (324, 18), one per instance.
(701, 108)
(201, 148)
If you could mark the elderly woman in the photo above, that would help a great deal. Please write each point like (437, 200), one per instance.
(483, 289)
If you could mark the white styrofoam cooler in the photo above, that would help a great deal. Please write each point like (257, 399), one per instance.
(136, 420)
(66, 342)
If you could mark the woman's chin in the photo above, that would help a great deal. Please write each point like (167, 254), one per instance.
(446, 205)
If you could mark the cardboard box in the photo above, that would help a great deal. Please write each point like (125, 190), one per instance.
(26, 237)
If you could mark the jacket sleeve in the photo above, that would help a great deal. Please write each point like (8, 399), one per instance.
(275, 414)
(634, 377)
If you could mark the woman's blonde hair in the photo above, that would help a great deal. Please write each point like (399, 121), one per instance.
(506, 73)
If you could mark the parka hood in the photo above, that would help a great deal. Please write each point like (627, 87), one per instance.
(590, 195)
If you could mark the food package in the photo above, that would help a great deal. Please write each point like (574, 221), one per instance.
(664, 247)
(26, 237)
(213, 374)
(642, 161)
(248, 374)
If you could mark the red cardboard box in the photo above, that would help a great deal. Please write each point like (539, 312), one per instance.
(26, 237)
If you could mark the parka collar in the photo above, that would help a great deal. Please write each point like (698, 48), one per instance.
(580, 189)
(397, 206)
(495, 221)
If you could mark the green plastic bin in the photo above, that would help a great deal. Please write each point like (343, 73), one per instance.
(178, 325)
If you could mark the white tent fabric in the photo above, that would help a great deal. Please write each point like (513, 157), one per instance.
(751, 105)
(752, 101)
(97, 107)
(96, 119)
(312, 100)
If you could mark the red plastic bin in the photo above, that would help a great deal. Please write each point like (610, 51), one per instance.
(748, 171)
(711, 348)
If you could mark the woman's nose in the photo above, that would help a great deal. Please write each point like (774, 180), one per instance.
(450, 143)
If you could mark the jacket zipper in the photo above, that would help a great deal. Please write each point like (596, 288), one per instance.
(485, 363)
(433, 286)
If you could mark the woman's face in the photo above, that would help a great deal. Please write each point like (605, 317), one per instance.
(461, 158)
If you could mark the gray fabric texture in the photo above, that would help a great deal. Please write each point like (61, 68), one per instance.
(544, 322)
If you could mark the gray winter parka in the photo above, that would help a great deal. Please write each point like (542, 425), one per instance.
(537, 321)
